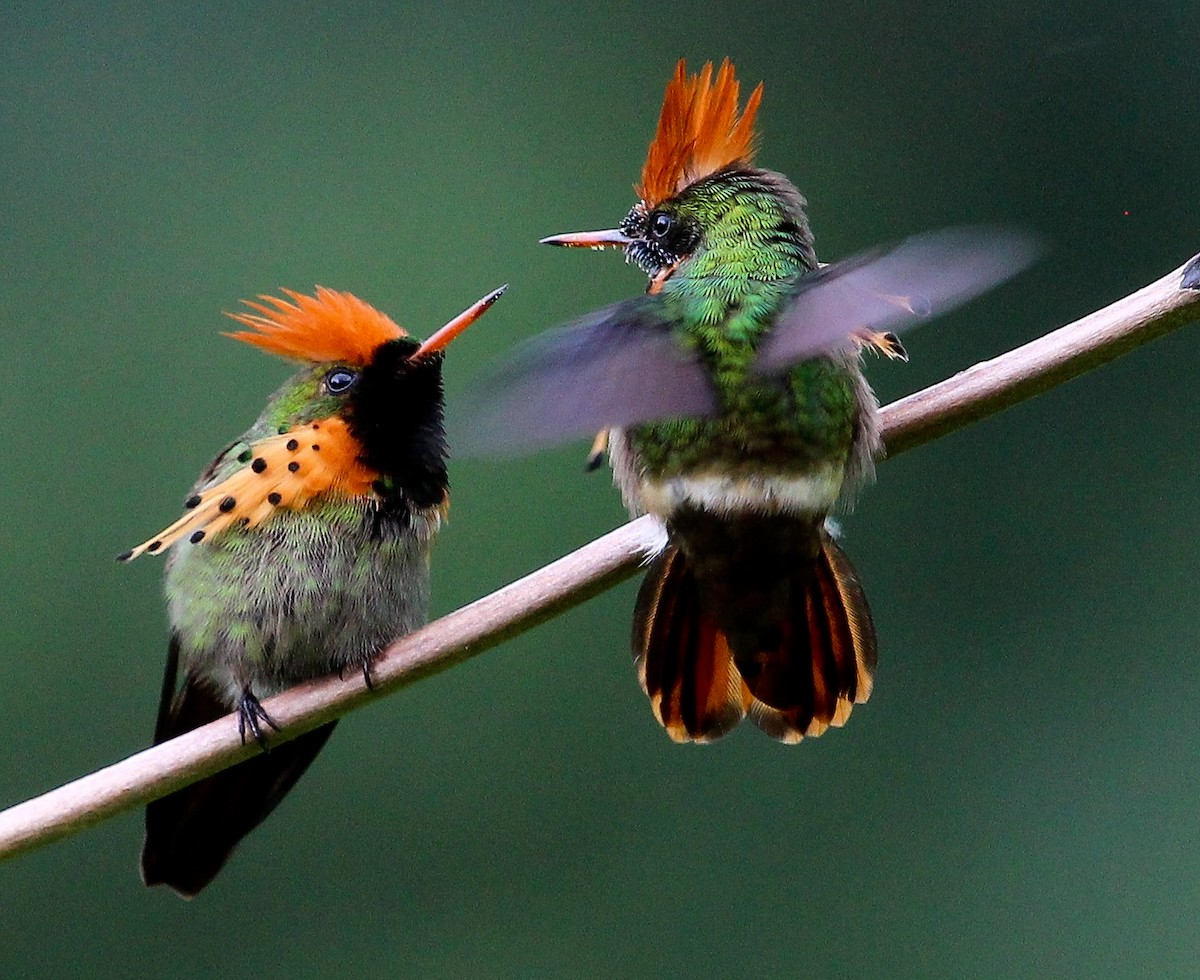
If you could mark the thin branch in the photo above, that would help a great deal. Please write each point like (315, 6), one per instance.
(967, 397)
(1045, 363)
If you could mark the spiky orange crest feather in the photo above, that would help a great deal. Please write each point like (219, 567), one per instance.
(699, 131)
(329, 326)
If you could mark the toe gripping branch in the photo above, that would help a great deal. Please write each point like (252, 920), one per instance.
(367, 664)
(252, 716)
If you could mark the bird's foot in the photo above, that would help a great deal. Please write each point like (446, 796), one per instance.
(366, 664)
(252, 716)
(368, 661)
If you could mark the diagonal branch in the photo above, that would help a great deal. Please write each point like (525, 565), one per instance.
(1042, 364)
(974, 394)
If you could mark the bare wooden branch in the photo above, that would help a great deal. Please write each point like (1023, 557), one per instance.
(465, 633)
(1045, 363)
(967, 397)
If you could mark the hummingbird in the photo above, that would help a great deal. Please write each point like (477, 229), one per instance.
(733, 405)
(303, 550)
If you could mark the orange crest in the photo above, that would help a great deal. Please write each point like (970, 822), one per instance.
(329, 326)
(699, 131)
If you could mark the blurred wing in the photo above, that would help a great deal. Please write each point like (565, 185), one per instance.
(892, 289)
(616, 367)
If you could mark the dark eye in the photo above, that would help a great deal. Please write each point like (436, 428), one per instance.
(339, 380)
(660, 224)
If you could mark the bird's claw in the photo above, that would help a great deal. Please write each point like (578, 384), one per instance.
(252, 716)
(365, 664)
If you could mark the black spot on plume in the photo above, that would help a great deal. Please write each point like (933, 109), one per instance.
(395, 412)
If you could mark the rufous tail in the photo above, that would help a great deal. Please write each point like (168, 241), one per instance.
(700, 688)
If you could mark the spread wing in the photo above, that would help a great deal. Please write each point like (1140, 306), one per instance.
(616, 367)
(891, 289)
(285, 470)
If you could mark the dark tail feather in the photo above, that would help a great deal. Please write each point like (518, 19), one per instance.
(682, 659)
(825, 662)
(699, 689)
(191, 833)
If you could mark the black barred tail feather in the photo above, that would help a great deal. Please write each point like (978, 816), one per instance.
(700, 688)
(192, 832)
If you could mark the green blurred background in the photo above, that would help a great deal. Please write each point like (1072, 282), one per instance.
(1020, 796)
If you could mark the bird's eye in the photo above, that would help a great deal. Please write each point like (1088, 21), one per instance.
(339, 380)
(660, 224)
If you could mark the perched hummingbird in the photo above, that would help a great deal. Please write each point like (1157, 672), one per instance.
(303, 550)
(735, 410)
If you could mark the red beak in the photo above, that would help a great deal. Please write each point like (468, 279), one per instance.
(442, 337)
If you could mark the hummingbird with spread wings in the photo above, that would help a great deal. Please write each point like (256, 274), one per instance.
(303, 550)
(733, 405)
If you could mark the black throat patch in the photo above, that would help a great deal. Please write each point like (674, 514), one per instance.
(396, 413)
